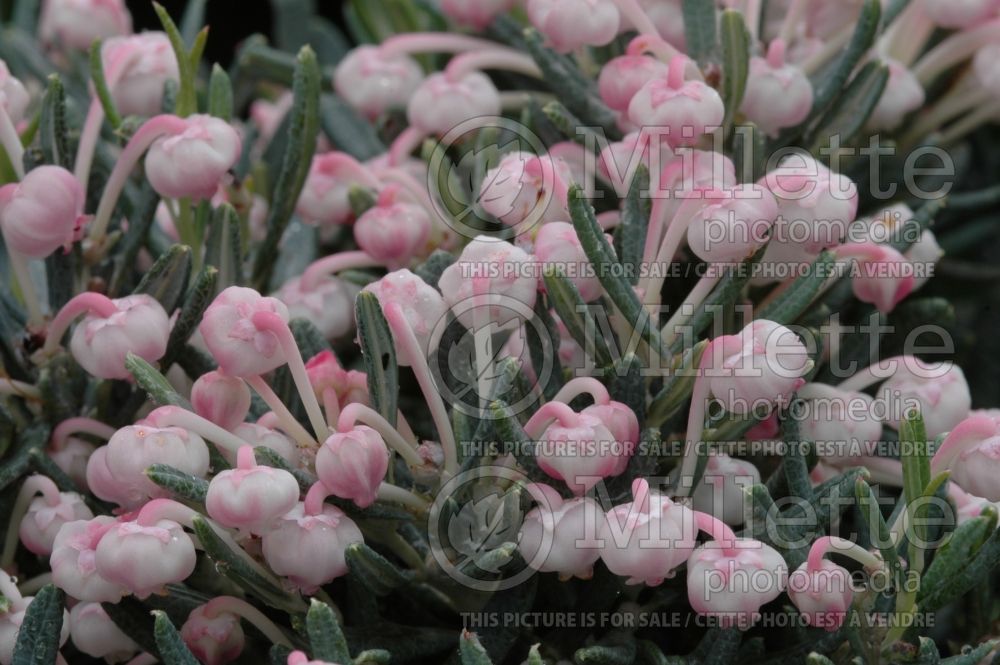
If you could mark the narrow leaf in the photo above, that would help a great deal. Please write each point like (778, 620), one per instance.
(379, 354)
(700, 32)
(172, 649)
(38, 637)
(157, 387)
(325, 636)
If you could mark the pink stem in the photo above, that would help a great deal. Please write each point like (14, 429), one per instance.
(281, 412)
(331, 406)
(19, 389)
(580, 385)
(80, 425)
(974, 430)
(500, 58)
(315, 497)
(175, 416)
(271, 322)
(693, 299)
(654, 231)
(433, 42)
(408, 344)
(637, 16)
(954, 49)
(776, 54)
(244, 610)
(354, 168)
(696, 421)
(88, 142)
(165, 509)
(609, 219)
(405, 143)
(549, 412)
(718, 530)
(879, 371)
(144, 137)
(671, 242)
(357, 412)
(828, 544)
(675, 75)
(654, 44)
(329, 265)
(88, 302)
(245, 459)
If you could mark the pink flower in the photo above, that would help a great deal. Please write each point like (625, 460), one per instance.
(353, 464)
(43, 212)
(395, 233)
(648, 539)
(258, 436)
(214, 637)
(732, 581)
(250, 497)
(525, 189)
(104, 485)
(232, 338)
(223, 399)
(144, 558)
(972, 452)
(135, 448)
(44, 518)
(572, 24)
(939, 390)
(823, 596)
(721, 492)
(559, 536)
(475, 13)
(579, 450)
(139, 326)
(903, 93)
(623, 76)
(762, 364)
(490, 282)
(422, 304)
(193, 162)
(682, 110)
(329, 305)
(623, 424)
(77, 23)
(881, 275)
(734, 224)
(72, 459)
(307, 545)
(968, 506)
(558, 248)
(95, 634)
(778, 94)
(841, 423)
(440, 103)
(73, 561)
(815, 204)
(373, 82)
(325, 196)
(14, 98)
(137, 67)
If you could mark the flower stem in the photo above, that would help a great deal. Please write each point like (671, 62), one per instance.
(22, 273)
(433, 42)
(357, 412)
(637, 16)
(693, 299)
(831, 544)
(395, 494)
(19, 389)
(271, 322)
(718, 530)
(549, 413)
(284, 416)
(953, 50)
(695, 422)
(410, 347)
(329, 265)
(11, 142)
(244, 610)
(33, 485)
(497, 58)
(405, 143)
(175, 416)
(89, 136)
(653, 284)
(144, 137)
(580, 385)
(88, 302)
(879, 371)
(79, 425)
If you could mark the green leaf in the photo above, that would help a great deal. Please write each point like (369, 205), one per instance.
(534, 658)
(373, 657)
(291, 23)
(509, 430)
(851, 110)
(179, 483)
(602, 257)
(325, 636)
(199, 297)
(471, 651)
(635, 221)
(722, 298)
(725, 645)
(972, 656)
(155, 384)
(187, 101)
(749, 152)
(565, 80)
(224, 245)
(104, 96)
(220, 94)
(374, 571)
(38, 637)
(53, 130)
(379, 354)
(172, 649)
(735, 62)
(794, 462)
(877, 526)
(961, 563)
(677, 385)
(700, 29)
(241, 569)
(301, 145)
(63, 384)
(796, 299)
(361, 199)
(571, 127)
(543, 347)
(167, 280)
(565, 298)
(921, 220)
(916, 460)
(830, 85)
